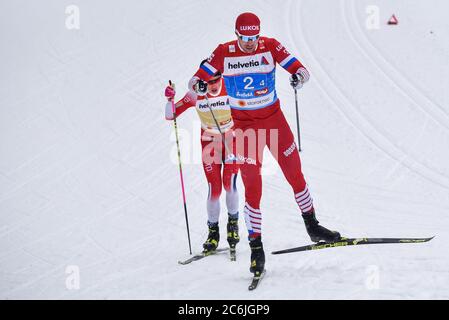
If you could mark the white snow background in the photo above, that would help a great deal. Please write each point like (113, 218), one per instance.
(90, 198)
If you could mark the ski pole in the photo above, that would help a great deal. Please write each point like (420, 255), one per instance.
(297, 120)
(180, 169)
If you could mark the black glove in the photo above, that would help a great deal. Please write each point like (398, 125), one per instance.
(296, 80)
(200, 88)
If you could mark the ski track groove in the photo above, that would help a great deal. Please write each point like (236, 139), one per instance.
(130, 248)
(395, 77)
(80, 163)
(373, 136)
(85, 221)
(406, 85)
(127, 250)
(375, 253)
(398, 78)
(290, 12)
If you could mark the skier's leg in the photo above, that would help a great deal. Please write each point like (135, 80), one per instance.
(230, 171)
(250, 156)
(250, 159)
(283, 148)
(252, 179)
(286, 153)
(232, 196)
(232, 203)
(212, 170)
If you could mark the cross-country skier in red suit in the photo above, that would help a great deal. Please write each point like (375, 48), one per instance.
(248, 66)
(215, 156)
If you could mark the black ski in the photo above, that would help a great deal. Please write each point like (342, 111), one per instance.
(343, 242)
(256, 280)
(201, 256)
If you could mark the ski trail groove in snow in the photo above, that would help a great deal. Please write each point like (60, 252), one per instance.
(405, 84)
(357, 119)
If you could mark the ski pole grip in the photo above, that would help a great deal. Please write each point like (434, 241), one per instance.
(170, 93)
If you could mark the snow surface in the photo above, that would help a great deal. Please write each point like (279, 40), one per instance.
(88, 173)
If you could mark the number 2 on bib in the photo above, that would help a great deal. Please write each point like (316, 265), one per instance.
(248, 81)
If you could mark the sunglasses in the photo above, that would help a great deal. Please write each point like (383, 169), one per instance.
(214, 80)
(248, 38)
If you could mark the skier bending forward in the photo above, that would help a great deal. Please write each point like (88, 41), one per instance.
(214, 153)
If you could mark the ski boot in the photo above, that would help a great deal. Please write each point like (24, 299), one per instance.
(316, 232)
(233, 232)
(233, 236)
(213, 238)
(257, 256)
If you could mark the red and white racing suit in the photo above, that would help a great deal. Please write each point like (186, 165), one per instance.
(250, 84)
(214, 151)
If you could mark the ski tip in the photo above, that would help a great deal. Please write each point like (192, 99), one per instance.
(418, 240)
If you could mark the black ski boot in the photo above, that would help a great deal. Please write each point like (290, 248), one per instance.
(213, 238)
(233, 232)
(316, 232)
(257, 256)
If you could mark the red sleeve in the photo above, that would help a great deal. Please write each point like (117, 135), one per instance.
(189, 100)
(213, 64)
(283, 57)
